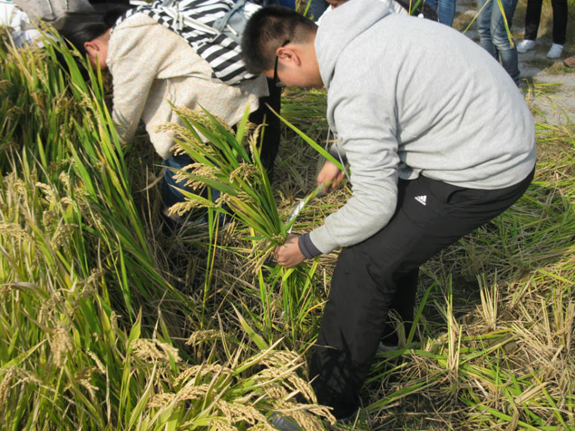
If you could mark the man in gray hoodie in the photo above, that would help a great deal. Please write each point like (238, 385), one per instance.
(438, 139)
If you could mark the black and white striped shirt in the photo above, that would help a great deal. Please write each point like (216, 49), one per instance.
(194, 21)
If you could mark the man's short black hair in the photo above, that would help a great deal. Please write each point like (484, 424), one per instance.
(267, 30)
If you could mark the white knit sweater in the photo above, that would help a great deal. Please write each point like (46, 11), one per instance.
(152, 66)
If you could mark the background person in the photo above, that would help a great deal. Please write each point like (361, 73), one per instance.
(445, 10)
(317, 8)
(493, 36)
(63, 15)
(153, 67)
(22, 31)
(532, 19)
(438, 139)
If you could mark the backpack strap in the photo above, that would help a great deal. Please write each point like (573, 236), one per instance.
(224, 22)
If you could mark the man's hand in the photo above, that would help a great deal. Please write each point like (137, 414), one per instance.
(289, 255)
(331, 176)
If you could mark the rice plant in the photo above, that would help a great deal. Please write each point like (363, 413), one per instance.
(230, 164)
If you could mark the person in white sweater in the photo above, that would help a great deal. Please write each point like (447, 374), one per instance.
(153, 67)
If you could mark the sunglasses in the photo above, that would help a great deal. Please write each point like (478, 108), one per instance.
(277, 82)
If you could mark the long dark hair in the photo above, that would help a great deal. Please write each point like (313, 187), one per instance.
(82, 32)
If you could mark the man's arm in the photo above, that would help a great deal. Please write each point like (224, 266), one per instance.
(373, 165)
(365, 119)
(331, 176)
(289, 254)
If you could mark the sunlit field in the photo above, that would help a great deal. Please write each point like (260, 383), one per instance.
(110, 320)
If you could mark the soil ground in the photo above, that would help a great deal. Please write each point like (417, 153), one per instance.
(549, 86)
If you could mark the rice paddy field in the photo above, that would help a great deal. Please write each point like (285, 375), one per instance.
(110, 321)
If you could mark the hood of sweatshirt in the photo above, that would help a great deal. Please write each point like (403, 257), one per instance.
(348, 21)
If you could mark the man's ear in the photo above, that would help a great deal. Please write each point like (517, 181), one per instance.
(289, 55)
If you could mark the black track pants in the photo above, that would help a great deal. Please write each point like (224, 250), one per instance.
(381, 273)
(272, 131)
(533, 17)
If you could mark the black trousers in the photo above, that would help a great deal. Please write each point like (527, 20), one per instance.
(533, 17)
(381, 272)
(272, 131)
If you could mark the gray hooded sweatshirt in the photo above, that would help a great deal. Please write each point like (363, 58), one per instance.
(409, 97)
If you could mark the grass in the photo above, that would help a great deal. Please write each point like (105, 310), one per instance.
(89, 324)
(107, 323)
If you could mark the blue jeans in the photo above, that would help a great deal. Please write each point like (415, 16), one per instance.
(171, 195)
(316, 9)
(493, 36)
(445, 11)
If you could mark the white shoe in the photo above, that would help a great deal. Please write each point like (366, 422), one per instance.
(525, 45)
(555, 51)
